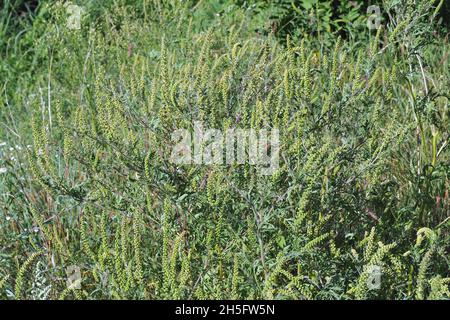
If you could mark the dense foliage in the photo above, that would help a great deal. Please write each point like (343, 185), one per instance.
(87, 117)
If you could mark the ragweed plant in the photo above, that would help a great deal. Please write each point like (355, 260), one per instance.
(363, 160)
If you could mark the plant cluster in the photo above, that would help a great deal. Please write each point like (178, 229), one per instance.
(364, 169)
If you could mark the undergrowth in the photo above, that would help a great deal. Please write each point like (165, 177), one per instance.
(363, 179)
